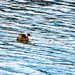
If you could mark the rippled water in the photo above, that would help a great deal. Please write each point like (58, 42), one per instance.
(50, 50)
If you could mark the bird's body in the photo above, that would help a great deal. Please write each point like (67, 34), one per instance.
(23, 37)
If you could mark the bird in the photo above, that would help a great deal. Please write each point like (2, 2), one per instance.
(23, 37)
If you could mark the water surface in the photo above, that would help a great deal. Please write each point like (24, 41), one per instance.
(50, 50)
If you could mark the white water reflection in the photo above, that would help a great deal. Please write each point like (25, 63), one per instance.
(50, 50)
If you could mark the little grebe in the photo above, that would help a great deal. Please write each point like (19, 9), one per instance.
(23, 37)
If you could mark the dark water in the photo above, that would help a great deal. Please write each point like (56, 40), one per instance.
(50, 50)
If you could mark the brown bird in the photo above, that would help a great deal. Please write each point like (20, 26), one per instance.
(23, 37)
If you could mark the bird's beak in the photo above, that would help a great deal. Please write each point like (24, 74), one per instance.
(29, 36)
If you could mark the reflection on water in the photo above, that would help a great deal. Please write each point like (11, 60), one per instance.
(25, 42)
(51, 50)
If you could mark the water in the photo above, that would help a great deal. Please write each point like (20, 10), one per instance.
(50, 50)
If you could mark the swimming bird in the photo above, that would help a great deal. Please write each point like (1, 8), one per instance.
(23, 37)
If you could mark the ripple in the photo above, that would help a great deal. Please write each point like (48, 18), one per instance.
(50, 50)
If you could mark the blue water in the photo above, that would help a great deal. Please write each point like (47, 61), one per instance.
(50, 50)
